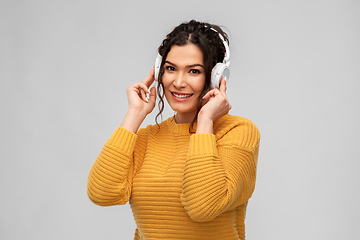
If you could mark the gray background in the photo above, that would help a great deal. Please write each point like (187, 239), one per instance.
(64, 69)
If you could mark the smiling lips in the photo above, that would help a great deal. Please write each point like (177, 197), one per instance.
(181, 95)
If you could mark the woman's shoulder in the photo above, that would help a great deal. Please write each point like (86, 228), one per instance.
(236, 131)
(229, 122)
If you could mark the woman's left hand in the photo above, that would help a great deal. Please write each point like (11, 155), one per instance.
(217, 106)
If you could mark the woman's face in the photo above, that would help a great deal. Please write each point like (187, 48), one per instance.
(184, 80)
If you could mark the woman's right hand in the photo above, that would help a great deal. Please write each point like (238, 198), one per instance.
(139, 105)
(136, 95)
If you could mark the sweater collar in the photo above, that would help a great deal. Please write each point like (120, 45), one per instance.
(183, 128)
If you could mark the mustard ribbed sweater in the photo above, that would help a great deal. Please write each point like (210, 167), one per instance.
(180, 185)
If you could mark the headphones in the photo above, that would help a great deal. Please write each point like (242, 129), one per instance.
(219, 71)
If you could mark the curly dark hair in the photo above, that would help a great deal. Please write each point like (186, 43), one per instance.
(206, 39)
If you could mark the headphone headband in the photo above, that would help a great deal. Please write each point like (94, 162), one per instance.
(227, 50)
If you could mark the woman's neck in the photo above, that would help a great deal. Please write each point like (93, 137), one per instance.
(184, 117)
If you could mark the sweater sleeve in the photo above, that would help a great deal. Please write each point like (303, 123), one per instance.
(110, 178)
(220, 175)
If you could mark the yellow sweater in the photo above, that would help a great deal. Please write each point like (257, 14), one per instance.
(180, 185)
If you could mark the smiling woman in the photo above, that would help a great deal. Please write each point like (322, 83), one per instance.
(180, 183)
(184, 80)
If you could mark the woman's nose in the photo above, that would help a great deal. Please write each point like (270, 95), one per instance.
(179, 81)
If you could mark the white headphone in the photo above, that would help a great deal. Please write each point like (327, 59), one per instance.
(219, 71)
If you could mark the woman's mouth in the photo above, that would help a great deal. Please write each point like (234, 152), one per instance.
(181, 95)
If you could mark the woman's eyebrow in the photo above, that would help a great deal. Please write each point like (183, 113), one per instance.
(195, 65)
(188, 66)
(169, 63)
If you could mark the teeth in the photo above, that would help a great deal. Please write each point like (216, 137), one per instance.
(181, 96)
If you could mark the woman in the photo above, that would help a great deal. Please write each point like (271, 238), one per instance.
(190, 176)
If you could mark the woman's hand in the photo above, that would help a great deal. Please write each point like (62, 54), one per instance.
(217, 106)
(139, 105)
(136, 95)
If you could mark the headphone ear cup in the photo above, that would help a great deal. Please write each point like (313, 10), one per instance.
(218, 72)
(157, 66)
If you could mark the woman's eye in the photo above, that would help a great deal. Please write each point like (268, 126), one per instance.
(195, 71)
(170, 68)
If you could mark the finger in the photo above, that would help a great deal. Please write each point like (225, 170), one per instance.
(210, 93)
(152, 96)
(143, 95)
(141, 89)
(141, 85)
(149, 78)
(223, 86)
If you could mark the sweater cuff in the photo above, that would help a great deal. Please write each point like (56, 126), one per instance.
(123, 140)
(202, 144)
